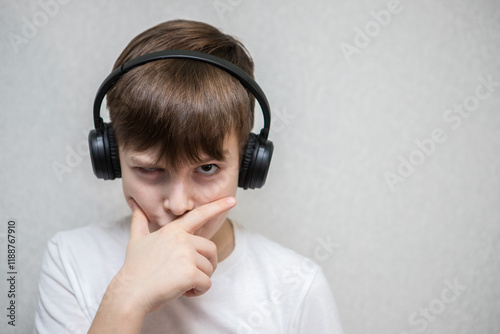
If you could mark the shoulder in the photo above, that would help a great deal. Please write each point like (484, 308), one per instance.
(93, 235)
(77, 266)
(290, 284)
(88, 247)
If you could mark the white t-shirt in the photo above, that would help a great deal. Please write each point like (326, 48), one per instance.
(261, 287)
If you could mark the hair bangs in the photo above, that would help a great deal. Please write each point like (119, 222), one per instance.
(179, 110)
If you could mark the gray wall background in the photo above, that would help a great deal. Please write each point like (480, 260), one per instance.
(410, 90)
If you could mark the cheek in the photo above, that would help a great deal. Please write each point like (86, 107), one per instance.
(147, 197)
(224, 185)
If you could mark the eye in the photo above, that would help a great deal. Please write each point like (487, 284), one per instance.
(209, 169)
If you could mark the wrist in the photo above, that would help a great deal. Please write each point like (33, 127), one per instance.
(117, 313)
(120, 297)
(130, 294)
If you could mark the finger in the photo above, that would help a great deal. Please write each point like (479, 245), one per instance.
(139, 226)
(196, 218)
(207, 249)
(202, 284)
(204, 265)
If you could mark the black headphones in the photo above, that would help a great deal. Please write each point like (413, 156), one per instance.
(258, 152)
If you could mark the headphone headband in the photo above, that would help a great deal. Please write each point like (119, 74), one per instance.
(223, 64)
(258, 152)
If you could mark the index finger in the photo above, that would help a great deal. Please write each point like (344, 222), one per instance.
(196, 218)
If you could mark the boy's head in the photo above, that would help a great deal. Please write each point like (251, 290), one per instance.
(181, 126)
(180, 108)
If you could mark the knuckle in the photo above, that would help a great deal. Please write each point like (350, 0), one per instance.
(208, 283)
(186, 255)
(212, 248)
(192, 274)
(181, 238)
(175, 234)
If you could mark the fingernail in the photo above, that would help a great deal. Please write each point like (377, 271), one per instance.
(231, 200)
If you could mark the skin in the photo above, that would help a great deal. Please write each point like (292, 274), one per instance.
(179, 232)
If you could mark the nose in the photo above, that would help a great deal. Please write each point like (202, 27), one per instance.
(178, 200)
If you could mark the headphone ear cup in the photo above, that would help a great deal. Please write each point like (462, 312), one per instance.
(255, 163)
(104, 153)
(263, 155)
(247, 160)
(97, 155)
(113, 152)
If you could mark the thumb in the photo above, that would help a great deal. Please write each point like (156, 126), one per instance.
(139, 226)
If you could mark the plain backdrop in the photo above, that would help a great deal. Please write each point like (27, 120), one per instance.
(386, 168)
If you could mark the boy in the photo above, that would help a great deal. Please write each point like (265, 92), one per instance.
(180, 265)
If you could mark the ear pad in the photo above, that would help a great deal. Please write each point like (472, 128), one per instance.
(104, 153)
(113, 151)
(255, 163)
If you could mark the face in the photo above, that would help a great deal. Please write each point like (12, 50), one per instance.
(164, 195)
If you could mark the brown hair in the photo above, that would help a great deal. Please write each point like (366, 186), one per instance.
(181, 108)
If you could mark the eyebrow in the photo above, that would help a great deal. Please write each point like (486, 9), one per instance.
(144, 161)
(140, 161)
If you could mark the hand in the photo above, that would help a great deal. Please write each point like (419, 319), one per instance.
(169, 262)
